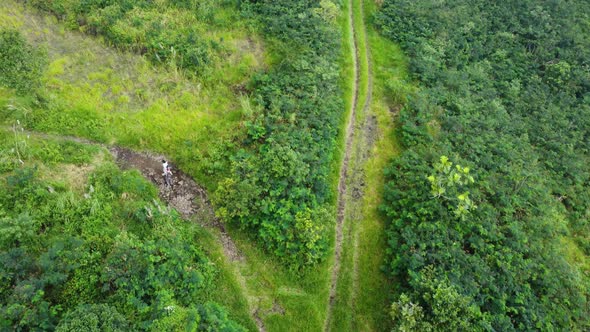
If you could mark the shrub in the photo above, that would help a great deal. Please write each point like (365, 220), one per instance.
(21, 65)
(499, 92)
(93, 318)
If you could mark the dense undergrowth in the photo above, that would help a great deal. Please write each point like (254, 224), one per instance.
(119, 99)
(277, 180)
(506, 91)
(84, 245)
(279, 185)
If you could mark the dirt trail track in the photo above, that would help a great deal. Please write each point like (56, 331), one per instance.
(359, 139)
(189, 199)
(364, 145)
(186, 196)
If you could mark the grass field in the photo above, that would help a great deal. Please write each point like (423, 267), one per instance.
(103, 94)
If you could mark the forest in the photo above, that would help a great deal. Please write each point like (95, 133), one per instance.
(489, 198)
(339, 165)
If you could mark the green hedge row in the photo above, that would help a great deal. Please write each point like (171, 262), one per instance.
(279, 185)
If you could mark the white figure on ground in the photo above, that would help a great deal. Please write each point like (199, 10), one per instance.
(167, 173)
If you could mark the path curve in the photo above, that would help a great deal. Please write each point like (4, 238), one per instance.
(189, 199)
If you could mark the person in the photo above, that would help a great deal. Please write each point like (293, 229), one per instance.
(164, 166)
(168, 176)
(166, 173)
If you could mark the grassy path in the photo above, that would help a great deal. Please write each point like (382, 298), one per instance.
(359, 289)
(365, 143)
(359, 133)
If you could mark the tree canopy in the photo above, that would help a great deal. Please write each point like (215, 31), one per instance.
(505, 92)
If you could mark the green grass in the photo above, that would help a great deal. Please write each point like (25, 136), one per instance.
(286, 301)
(363, 61)
(390, 88)
(340, 316)
(343, 312)
(94, 91)
(362, 304)
(120, 98)
(228, 291)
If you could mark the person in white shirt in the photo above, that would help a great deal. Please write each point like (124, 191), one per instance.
(167, 173)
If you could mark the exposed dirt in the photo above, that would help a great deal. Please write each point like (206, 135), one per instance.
(188, 198)
(277, 309)
(185, 195)
(258, 321)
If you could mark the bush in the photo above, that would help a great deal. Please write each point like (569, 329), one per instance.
(279, 184)
(93, 318)
(99, 260)
(21, 65)
(142, 26)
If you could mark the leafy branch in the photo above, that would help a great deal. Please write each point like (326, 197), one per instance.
(449, 183)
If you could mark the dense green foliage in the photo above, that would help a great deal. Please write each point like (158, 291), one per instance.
(506, 91)
(93, 318)
(279, 185)
(166, 31)
(104, 254)
(21, 65)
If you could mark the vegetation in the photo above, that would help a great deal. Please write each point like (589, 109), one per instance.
(487, 222)
(504, 93)
(279, 183)
(166, 31)
(93, 246)
(125, 98)
(363, 289)
(21, 65)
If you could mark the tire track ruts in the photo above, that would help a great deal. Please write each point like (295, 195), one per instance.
(343, 176)
(369, 130)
